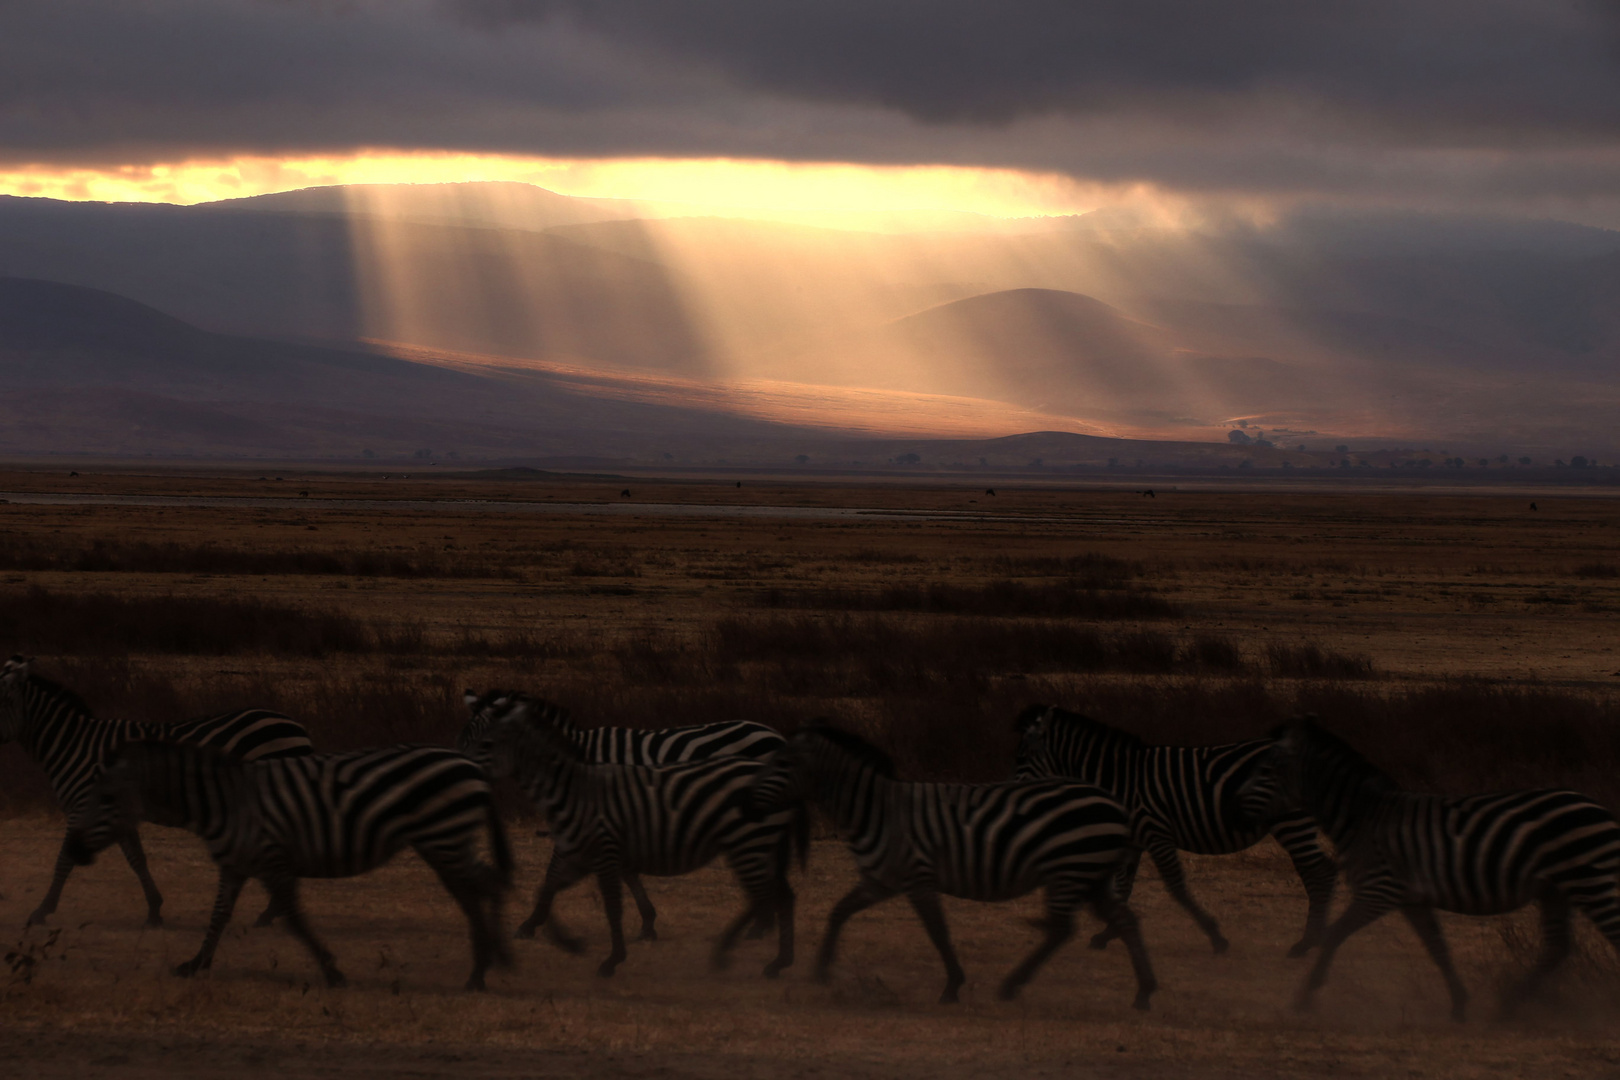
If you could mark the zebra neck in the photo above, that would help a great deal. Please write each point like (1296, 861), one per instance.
(1345, 795)
(858, 800)
(186, 794)
(1110, 763)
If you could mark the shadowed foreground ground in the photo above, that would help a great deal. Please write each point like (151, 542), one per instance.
(101, 1001)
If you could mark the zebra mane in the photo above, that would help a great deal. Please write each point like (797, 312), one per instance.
(854, 745)
(543, 720)
(1095, 728)
(59, 692)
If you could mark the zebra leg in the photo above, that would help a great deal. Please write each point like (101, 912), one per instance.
(926, 903)
(561, 873)
(861, 897)
(1363, 911)
(466, 886)
(1175, 879)
(613, 907)
(1423, 920)
(284, 894)
(47, 906)
(1317, 871)
(1122, 920)
(1555, 946)
(268, 916)
(230, 887)
(1059, 926)
(643, 906)
(785, 900)
(1124, 883)
(130, 844)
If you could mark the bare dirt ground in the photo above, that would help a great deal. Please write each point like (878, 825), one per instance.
(1430, 588)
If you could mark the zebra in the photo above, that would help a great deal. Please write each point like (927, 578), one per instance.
(615, 820)
(976, 841)
(1473, 854)
(1184, 798)
(54, 726)
(638, 746)
(318, 816)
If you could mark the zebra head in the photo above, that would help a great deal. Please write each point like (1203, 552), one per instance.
(478, 732)
(1035, 759)
(822, 763)
(521, 737)
(14, 675)
(1276, 784)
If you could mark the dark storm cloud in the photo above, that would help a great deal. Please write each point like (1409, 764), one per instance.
(1549, 65)
(1511, 99)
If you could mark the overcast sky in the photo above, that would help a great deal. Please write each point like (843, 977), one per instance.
(1490, 103)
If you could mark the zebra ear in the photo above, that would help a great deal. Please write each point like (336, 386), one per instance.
(470, 697)
(1294, 733)
(1032, 718)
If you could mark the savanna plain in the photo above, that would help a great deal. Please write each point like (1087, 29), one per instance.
(1462, 641)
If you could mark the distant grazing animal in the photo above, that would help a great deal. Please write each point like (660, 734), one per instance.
(976, 841)
(634, 746)
(1184, 797)
(1532, 506)
(614, 820)
(989, 491)
(319, 816)
(54, 727)
(1474, 854)
(625, 493)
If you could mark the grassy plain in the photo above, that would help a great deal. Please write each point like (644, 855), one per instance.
(1463, 640)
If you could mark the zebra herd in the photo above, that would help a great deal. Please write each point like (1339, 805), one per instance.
(1086, 802)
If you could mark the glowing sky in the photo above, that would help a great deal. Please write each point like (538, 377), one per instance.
(706, 183)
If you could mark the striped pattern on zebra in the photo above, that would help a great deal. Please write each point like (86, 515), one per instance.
(976, 841)
(55, 728)
(614, 820)
(1473, 854)
(1184, 798)
(637, 746)
(318, 816)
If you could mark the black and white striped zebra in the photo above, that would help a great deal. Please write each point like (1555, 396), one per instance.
(317, 816)
(637, 746)
(1473, 854)
(55, 728)
(1184, 798)
(976, 841)
(615, 820)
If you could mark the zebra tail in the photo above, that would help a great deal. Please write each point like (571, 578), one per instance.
(801, 834)
(498, 846)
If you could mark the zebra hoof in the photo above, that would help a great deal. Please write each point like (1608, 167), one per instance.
(1100, 941)
(948, 997)
(1142, 1003)
(647, 934)
(775, 968)
(476, 984)
(335, 979)
(154, 921)
(823, 975)
(36, 919)
(1221, 945)
(525, 932)
(1300, 948)
(187, 969)
(1007, 992)
(606, 968)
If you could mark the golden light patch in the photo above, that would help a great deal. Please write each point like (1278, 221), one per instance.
(797, 188)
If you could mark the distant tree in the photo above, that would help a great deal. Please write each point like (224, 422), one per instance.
(1502, 460)
(1113, 463)
(1577, 462)
(908, 459)
(1559, 462)
(1244, 464)
(1341, 449)
(984, 461)
(1524, 461)
(803, 459)
(1238, 437)
(1243, 423)
(1264, 442)
(1302, 446)
(1484, 463)
(368, 453)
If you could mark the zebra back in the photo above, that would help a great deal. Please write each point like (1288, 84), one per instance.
(631, 746)
(56, 728)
